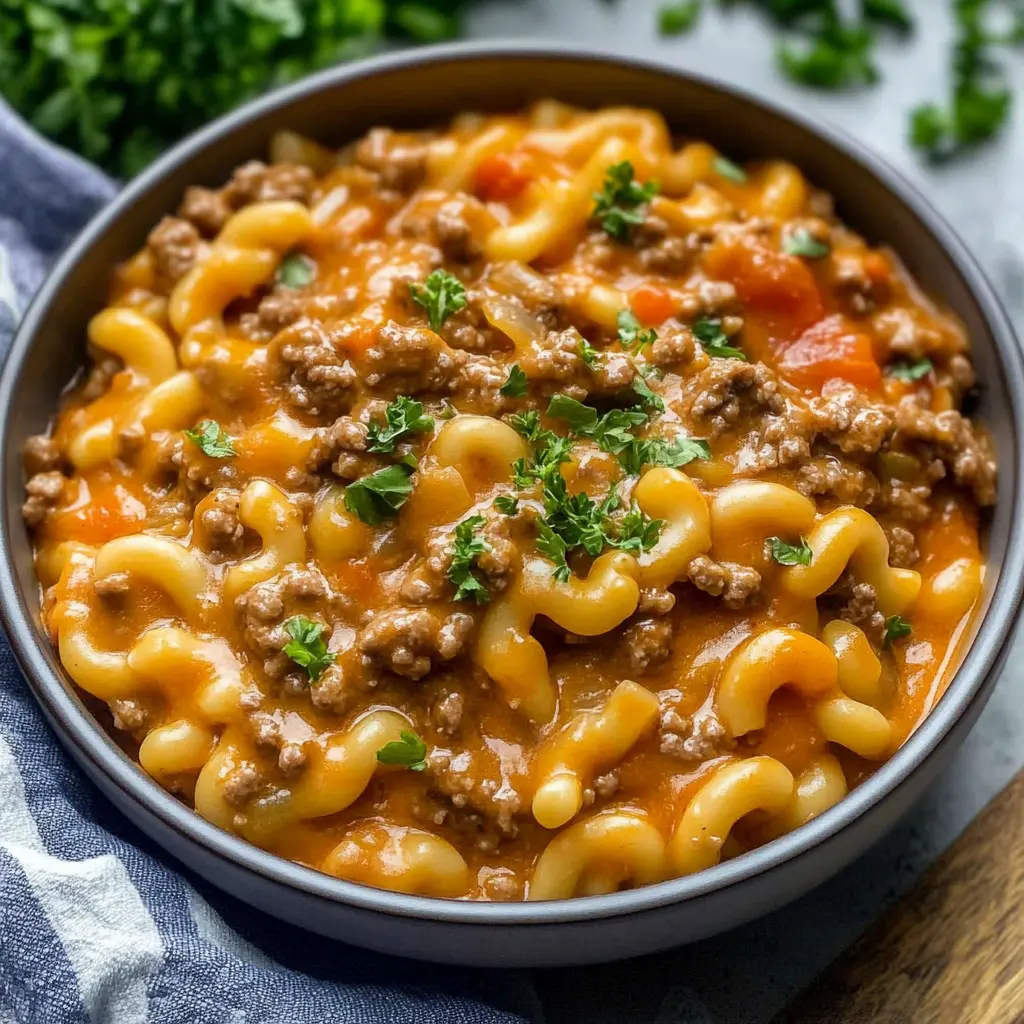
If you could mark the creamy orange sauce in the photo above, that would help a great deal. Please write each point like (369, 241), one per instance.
(820, 330)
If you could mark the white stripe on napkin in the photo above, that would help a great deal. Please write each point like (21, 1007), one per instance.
(108, 935)
(8, 293)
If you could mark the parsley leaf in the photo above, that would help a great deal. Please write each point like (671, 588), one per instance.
(506, 504)
(296, 271)
(802, 243)
(580, 417)
(587, 352)
(837, 57)
(616, 205)
(408, 752)
(380, 495)
(515, 384)
(404, 416)
(715, 342)
(658, 452)
(212, 439)
(896, 627)
(465, 549)
(550, 451)
(678, 18)
(612, 431)
(888, 12)
(441, 295)
(527, 425)
(306, 647)
(981, 101)
(910, 370)
(550, 544)
(725, 168)
(631, 334)
(648, 399)
(637, 533)
(789, 554)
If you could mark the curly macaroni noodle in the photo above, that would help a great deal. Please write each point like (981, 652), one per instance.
(403, 859)
(598, 855)
(591, 739)
(528, 508)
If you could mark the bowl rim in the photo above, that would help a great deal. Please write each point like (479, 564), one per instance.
(74, 723)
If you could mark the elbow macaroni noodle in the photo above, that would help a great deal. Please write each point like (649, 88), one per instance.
(462, 675)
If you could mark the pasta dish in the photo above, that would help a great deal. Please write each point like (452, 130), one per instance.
(531, 508)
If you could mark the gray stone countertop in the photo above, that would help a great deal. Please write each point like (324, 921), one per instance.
(749, 974)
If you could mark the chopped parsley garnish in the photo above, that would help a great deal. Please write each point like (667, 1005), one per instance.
(306, 647)
(466, 548)
(580, 417)
(408, 752)
(725, 168)
(515, 384)
(803, 243)
(632, 335)
(616, 206)
(527, 426)
(637, 533)
(656, 451)
(550, 451)
(380, 495)
(678, 18)
(578, 521)
(612, 431)
(587, 352)
(981, 100)
(440, 295)
(550, 544)
(789, 554)
(715, 342)
(909, 370)
(836, 57)
(405, 416)
(648, 399)
(212, 439)
(888, 12)
(506, 504)
(896, 627)
(296, 270)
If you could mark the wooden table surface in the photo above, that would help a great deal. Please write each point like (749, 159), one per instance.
(952, 949)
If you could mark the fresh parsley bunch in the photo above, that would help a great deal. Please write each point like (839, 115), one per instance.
(119, 80)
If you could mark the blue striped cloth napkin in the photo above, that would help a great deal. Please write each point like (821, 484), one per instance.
(97, 924)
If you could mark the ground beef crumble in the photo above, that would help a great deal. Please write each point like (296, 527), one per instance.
(409, 641)
(735, 584)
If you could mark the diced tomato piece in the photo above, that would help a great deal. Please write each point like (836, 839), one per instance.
(774, 285)
(502, 176)
(833, 347)
(104, 511)
(653, 304)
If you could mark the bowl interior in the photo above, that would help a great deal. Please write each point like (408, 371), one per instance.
(422, 89)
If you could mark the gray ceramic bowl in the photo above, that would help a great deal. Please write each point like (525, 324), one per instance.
(424, 87)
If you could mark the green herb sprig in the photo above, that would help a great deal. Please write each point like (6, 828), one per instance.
(212, 439)
(404, 417)
(306, 647)
(120, 80)
(467, 547)
(408, 752)
(617, 207)
(380, 495)
(441, 295)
